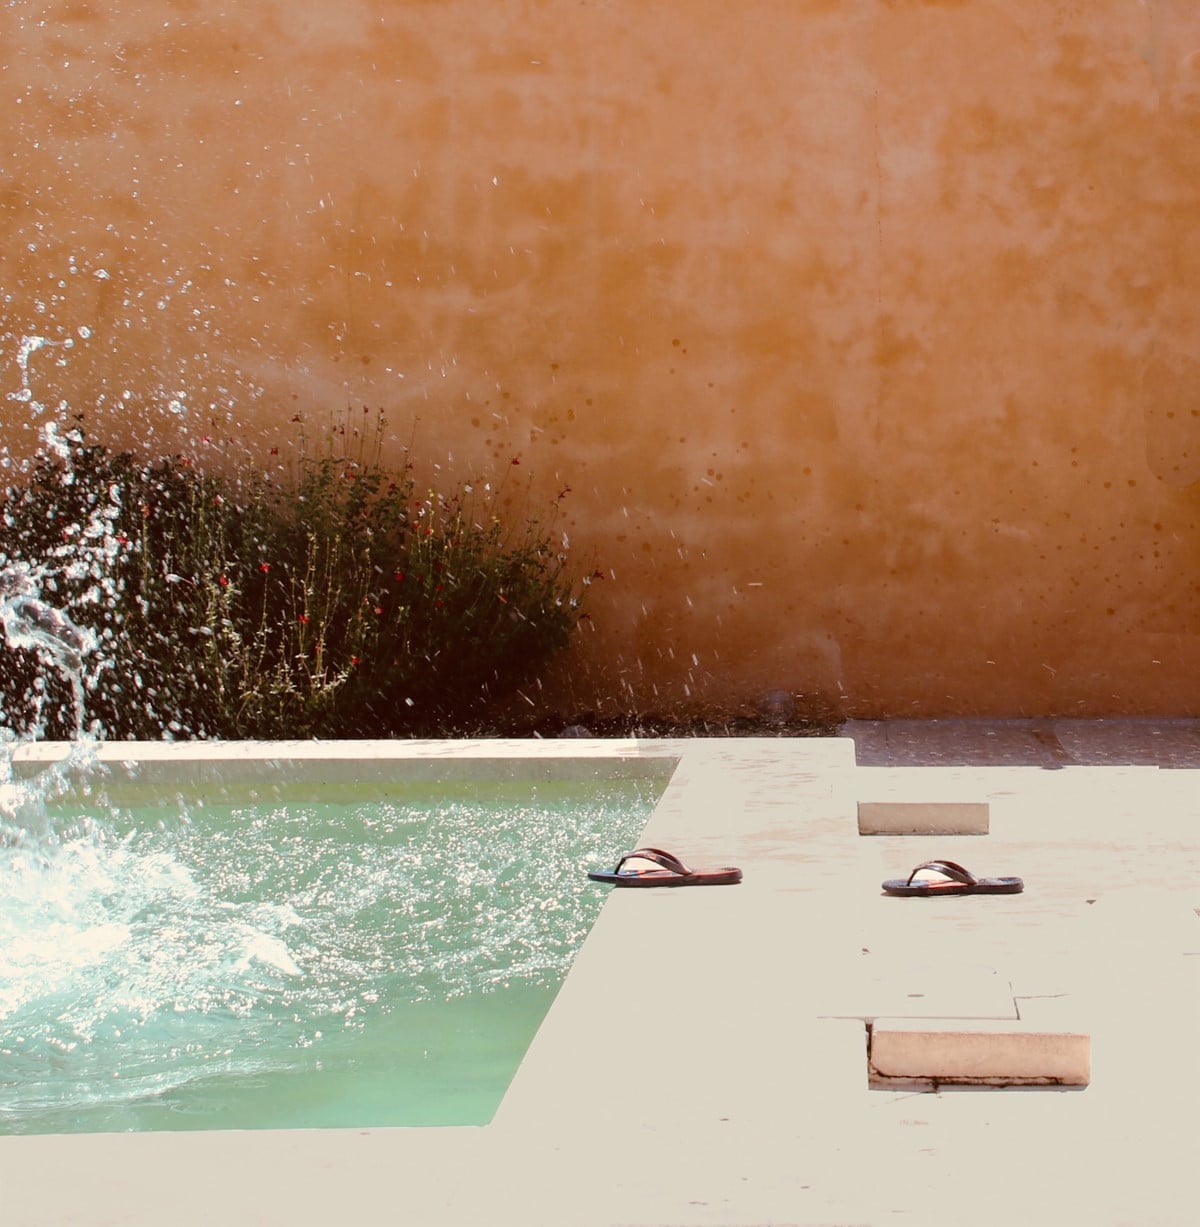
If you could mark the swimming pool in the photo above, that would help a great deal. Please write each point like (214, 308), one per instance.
(295, 942)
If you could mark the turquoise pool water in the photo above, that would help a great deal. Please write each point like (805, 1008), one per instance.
(298, 950)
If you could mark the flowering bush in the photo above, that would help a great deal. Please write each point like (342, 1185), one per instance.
(345, 604)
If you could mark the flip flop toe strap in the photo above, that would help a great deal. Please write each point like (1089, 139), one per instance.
(948, 869)
(666, 860)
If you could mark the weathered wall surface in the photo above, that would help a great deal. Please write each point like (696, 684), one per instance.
(864, 333)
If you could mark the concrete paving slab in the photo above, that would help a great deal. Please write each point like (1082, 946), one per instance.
(1161, 742)
(948, 743)
(871, 987)
(922, 816)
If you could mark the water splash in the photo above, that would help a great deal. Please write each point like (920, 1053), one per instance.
(33, 624)
(145, 951)
(26, 348)
(29, 619)
(109, 930)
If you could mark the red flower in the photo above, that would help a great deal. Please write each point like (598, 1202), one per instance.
(398, 576)
(264, 567)
(354, 660)
(302, 618)
(224, 581)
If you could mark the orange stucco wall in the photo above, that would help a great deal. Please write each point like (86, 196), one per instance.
(864, 333)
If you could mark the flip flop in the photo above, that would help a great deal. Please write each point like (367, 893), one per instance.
(671, 872)
(955, 881)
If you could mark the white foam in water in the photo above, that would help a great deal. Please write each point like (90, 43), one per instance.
(270, 951)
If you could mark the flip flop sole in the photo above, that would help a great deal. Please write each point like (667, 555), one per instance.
(985, 886)
(662, 877)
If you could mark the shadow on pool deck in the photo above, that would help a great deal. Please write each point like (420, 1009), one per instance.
(1049, 743)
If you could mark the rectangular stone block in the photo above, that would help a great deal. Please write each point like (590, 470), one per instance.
(915, 817)
(996, 1052)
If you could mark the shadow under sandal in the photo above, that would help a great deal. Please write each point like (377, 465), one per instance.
(671, 871)
(954, 880)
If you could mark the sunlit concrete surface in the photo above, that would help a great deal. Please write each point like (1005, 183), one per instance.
(705, 1061)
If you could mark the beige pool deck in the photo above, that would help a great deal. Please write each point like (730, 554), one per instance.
(706, 1061)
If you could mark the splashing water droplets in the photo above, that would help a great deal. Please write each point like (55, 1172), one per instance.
(26, 348)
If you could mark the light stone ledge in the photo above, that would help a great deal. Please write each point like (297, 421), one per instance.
(923, 818)
(912, 801)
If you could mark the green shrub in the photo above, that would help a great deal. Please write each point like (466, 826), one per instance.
(344, 604)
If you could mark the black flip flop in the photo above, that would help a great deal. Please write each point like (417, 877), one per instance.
(955, 880)
(671, 872)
